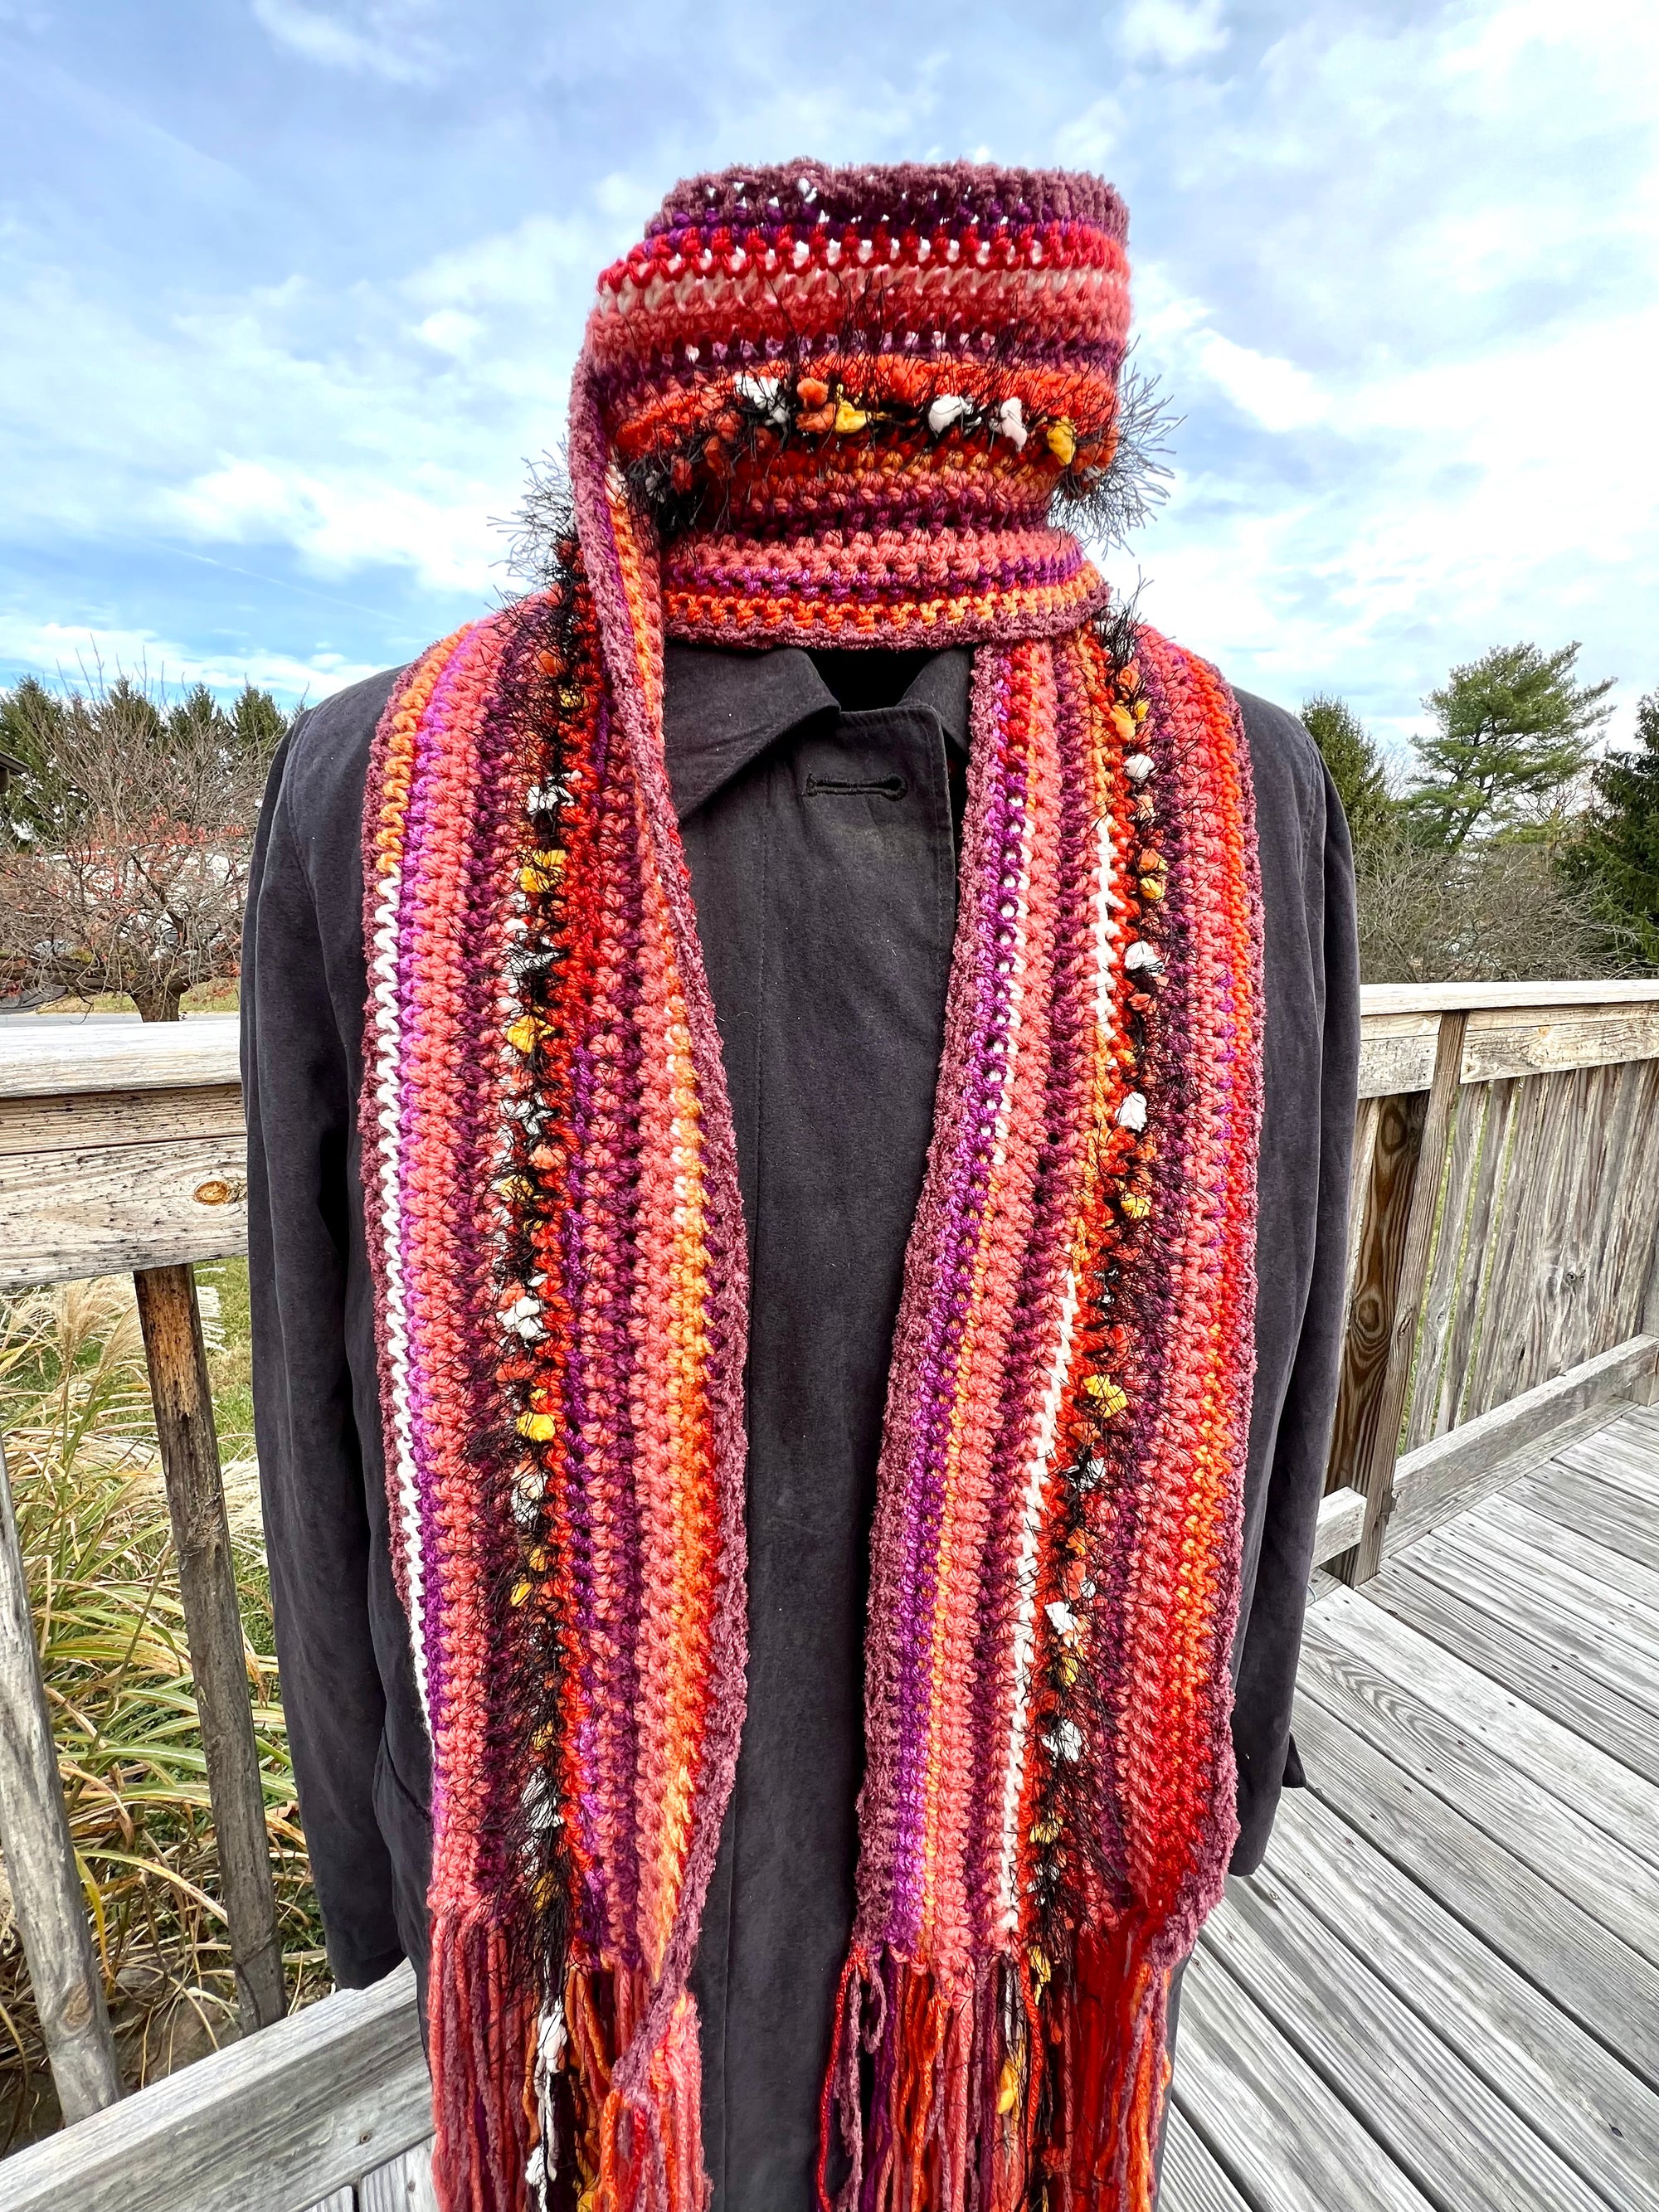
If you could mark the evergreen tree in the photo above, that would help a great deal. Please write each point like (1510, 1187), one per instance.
(1616, 854)
(30, 727)
(1515, 731)
(258, 724)
(1355, 761)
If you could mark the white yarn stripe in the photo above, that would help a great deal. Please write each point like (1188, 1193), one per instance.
(388, 1177)
(1037, 1478)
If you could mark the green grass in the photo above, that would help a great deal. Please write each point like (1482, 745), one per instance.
(81, 1449)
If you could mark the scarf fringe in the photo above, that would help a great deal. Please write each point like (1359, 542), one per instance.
(1004, 2092)
(560, 2107)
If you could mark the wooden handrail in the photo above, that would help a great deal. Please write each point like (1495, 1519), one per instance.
(123, 1147)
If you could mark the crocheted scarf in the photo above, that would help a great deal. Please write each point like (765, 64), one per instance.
(820, 407)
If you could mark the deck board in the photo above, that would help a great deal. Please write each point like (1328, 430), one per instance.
(1581, 1861)
(1573, 1494)
(1583, 2102)
(1276, 2127)
(1440, 1994)
(1435, 2116)
(1606, 1792)
(1456, 1935)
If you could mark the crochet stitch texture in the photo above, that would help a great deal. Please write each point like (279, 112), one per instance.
(845, 407)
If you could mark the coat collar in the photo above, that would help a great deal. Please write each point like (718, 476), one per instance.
(722, 709)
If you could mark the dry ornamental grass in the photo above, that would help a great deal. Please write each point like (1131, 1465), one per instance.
(80, 1444)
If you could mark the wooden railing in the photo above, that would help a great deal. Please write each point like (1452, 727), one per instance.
(1505, 1222)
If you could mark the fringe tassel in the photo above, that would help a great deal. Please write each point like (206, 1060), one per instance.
(530, 2115)
(1003, 2093)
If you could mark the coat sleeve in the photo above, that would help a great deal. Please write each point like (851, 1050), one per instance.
(296, 1078)
(1301, 1251)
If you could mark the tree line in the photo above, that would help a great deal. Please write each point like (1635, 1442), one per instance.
(126, 831)
(1511, 848)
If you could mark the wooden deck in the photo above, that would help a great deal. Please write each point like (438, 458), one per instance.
(1442, 1989)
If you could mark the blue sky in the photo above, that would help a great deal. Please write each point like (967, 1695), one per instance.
(290, 289)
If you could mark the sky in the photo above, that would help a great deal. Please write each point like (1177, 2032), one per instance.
(290, 291)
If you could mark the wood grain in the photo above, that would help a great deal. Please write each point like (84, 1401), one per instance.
(1396, 1241)
(67, 1215)
(1588, 1617)
(278, 2121)
(43, 1060)
(1525, 1663)
(183, 1398)
(1590, 2108)
(1598, 1872)
(1610, 1990)
(1437, 2119)
(403, 2185)
(1190, 2180)
(1286, 2139)
(79, 1121)
(1578, 1496)
(1454, 1469)
(39, 1858)
(1609, 1795)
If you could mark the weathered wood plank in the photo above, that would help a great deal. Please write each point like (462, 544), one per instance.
(1590, 2108)
(1396, 1054)
(40, 1858)
(1340, 1525)
(1512, 1523)
(403, 2185)
(1525, 1663)
(1451, 1297)
(1629, 1461)
(1541, 1040)
(1610, 1990)
(1528, 1585)
(1190, 2180)
(1269, 2120)
(1383, 1318)
(342, 2200)
(67, 1215)
(1506, 1038)
(1600, 1874)
(1563, 1631)
(1548, 1122)
(276, 2121)
(1377, 999)
(1579, 1498)
(183, 1397)
(1455, 1469)
(1436, 2119)
(83, 1119)
(1622, 1804)
(43, 1060)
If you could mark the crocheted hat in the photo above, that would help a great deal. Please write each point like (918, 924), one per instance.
(851, 399)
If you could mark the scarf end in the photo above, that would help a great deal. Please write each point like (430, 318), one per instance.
(1022, 2086)
(558, 2105)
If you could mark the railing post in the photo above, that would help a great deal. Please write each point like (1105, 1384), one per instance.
(1396, 1230)
(34, 1835)
(171, 1322)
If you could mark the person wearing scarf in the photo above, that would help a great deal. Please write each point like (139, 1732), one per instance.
(1021, 1426)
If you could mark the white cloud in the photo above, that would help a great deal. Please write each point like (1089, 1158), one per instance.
(344, 519)
(390, 44)
(1280, 395)
(78, 654)
(1171, 32)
